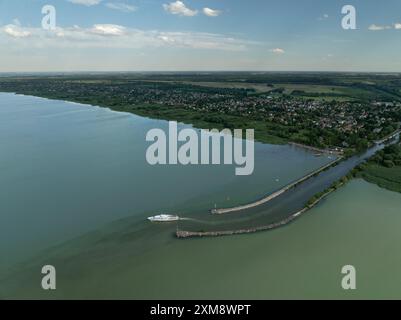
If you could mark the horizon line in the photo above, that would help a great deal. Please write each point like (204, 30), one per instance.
(197, 71)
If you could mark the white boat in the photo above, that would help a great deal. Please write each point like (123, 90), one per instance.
(164, 218)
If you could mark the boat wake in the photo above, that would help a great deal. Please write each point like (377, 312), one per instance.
(197, 221)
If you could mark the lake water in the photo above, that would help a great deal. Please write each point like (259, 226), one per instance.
(357, 225)
(72, 171)
(67, 169)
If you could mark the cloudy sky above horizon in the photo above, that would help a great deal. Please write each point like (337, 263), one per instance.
(205, 35)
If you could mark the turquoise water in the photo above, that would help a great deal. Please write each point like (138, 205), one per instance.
(67, 169)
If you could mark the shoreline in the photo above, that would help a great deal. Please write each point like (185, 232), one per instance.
(317, 150)
(269, 139)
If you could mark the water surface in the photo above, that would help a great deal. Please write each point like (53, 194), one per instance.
(73, 171)
(358, 225)
(68, 168)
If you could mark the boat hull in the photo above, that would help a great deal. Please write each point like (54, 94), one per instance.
(164, 218)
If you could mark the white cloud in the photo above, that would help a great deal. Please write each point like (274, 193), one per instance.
(118, 37)
(211, 13)
(15, 31)
(179, 8)
(120, 6)
(87, 3)
(277, 51)
(374, 27)
(397, 26)
(108, 29)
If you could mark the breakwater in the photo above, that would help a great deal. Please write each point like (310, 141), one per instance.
(310, 187)
(277, 193)
(182, 234)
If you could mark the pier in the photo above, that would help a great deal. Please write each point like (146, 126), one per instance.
(277, 193)
(201, 234)
(182, 234)
(342, 168)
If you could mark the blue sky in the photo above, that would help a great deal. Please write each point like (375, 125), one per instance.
(158, 35)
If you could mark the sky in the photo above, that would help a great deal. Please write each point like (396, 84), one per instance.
(199, 35)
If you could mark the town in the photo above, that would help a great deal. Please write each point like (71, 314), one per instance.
(327, 114)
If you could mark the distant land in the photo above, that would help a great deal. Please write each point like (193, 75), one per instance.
(346, 111)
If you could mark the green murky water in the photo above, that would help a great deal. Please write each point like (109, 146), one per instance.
(357, 225)
(74, 172)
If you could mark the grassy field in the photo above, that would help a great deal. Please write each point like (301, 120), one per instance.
(384, 168)
(309, 91)
(289, 87)
(258, 87)
(388, 178)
